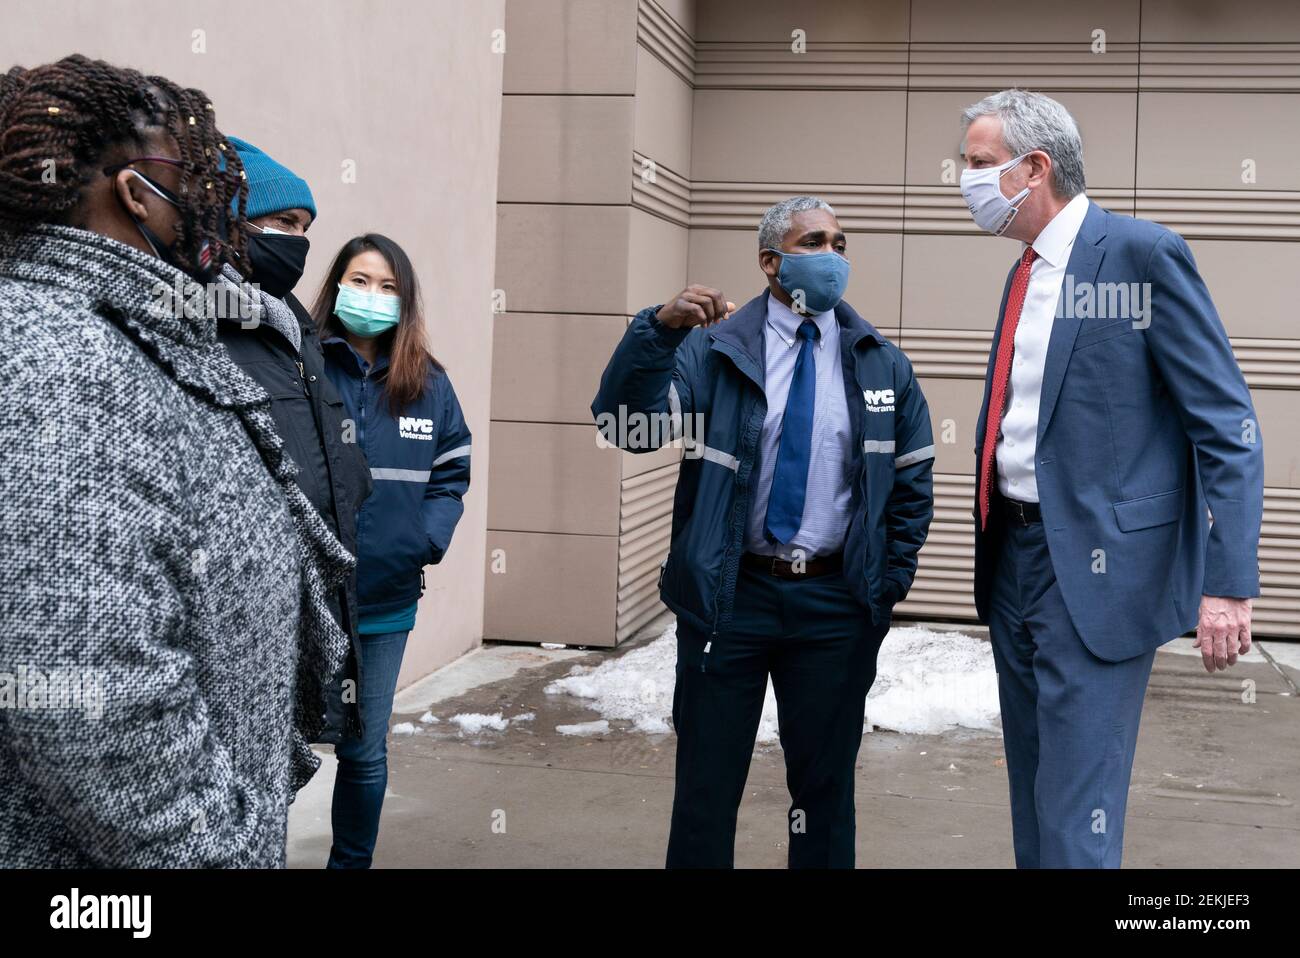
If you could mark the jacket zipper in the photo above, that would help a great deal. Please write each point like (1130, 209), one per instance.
(361, 444)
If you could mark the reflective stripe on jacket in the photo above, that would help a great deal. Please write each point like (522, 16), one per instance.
(705, 386)
(419, 462)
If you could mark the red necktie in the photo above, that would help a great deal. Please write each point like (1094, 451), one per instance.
(1001, 377)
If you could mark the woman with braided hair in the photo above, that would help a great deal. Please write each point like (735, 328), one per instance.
(165, 635)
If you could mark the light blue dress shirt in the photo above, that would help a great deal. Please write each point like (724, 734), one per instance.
(826, 499)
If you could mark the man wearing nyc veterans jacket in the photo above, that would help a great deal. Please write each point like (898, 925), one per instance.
(804, 496)
(1114, 415)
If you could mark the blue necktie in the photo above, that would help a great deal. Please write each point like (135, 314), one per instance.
(790, 477)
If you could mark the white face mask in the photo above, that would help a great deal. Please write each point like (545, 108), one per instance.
(982, 191)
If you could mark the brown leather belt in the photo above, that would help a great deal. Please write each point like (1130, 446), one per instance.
(801, 569)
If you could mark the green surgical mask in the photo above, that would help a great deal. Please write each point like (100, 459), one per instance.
(367, 314)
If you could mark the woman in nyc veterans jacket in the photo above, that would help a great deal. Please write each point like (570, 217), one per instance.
(403, 414)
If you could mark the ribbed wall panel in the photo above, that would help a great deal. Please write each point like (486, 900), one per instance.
(946, 569)
(664, 38)
(1219, 67)
(645, 522)
(928, 205)
(964, 353)
(1196, 214)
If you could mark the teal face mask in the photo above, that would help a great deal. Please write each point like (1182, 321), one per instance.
(367, 314)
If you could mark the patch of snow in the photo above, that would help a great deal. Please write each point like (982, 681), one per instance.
(523, 717)
(926, 682)
(636, 687)
(473, 723)
(599, 727)
(403, 728)
(554, 645)
(428, 718)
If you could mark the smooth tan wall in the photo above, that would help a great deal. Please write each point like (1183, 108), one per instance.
(410, 90)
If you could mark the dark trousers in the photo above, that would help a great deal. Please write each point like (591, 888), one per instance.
(1069, 719)
(819, 646)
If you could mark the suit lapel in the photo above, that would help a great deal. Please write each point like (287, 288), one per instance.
(1081, 270)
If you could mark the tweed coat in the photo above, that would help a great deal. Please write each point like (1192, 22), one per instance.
(165, 636)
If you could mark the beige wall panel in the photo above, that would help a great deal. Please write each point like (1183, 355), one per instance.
(570, 46)
(1211, 21)
(562, 259)
(881, 21)
(663, 115)
(783, 136)
(1052, 21)
(954, 282)
(1279, 422)
(1106, 123)
(565, 149)
(1200, 140)
(546, 367)
(957, 400)
(728, 260)
(556, 588)
(656, 260)
(1255, 286)
(552, 478)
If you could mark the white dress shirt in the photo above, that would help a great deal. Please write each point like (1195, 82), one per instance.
(1019, 436)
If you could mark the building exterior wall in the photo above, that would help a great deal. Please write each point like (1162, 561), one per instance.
(1175, 100)
(576, 532)
(391, 85)
(620, 149)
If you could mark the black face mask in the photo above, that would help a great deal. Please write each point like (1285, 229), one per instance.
(277, 261)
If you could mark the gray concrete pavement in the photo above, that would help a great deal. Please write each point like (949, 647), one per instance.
(1216, 779)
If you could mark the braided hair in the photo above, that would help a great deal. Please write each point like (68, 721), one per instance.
(59, 122)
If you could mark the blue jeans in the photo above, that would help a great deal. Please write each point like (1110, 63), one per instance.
(362, 775)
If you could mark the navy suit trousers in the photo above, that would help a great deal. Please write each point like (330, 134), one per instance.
(1069, 719)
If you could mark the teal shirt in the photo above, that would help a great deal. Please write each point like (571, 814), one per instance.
(402, 620)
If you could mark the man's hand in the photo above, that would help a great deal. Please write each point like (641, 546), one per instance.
(695, 306)
(1223, 631)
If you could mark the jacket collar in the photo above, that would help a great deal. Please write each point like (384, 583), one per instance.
(741, 336)
(351, 360)
(158, 306)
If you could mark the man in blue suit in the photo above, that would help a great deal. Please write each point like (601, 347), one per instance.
(1114, 415)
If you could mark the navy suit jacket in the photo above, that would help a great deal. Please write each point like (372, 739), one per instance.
(1143, 424)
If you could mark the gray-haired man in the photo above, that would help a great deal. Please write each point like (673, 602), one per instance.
(803, 499)
(1110, 424)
